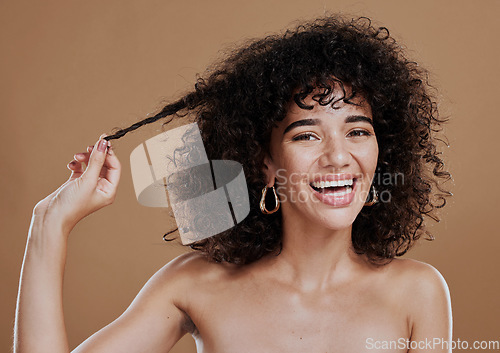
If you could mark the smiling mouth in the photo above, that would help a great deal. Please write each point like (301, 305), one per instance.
(341, 187)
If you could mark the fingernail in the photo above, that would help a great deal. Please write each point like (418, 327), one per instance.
(102, 145)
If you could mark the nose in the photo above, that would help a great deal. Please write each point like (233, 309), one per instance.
(335, 154)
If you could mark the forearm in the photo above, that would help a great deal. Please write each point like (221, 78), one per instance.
(39, 325)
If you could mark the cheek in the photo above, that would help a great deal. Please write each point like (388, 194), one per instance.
(373, 158)
(293, 167)
(299, 161)
(368, 157)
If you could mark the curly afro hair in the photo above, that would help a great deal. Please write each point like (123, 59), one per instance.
(240, 99)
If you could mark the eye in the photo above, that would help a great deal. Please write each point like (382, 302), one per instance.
(305, 137)
(359, 132)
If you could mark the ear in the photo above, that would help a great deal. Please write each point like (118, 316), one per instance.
(269, 170)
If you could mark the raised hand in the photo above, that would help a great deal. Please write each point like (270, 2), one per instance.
(87, 190)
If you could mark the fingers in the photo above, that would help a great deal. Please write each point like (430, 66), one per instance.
(99, 165)
(96, 160)
(101, 162)
(112, 167)
(76, 165)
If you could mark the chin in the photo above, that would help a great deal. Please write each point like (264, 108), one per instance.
(337, 221)
(317, 217)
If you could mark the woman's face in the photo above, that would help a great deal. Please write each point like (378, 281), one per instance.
(323, 161)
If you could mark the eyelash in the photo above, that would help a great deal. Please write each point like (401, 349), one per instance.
(307, 136)
(303, 137)
(364, 132)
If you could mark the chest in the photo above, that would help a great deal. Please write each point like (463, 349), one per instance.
(273, 319)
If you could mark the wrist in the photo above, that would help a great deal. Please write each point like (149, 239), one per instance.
(47, 226)
(47, 245)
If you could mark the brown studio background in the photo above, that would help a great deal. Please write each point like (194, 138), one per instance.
(73, 70)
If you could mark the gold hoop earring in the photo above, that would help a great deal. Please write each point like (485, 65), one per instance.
(262, 203)
(374, 197)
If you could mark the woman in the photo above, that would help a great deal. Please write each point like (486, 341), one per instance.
(320, 117)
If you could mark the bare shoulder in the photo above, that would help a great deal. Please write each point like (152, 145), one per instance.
(175, 277)
(402, 279)
(417, 276)
(188, 268)
(189, 271)
(185, 263)
(157, 317)
(421, 286)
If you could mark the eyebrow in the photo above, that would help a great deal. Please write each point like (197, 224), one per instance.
(312, 122)
(303, 122)
(357, 118)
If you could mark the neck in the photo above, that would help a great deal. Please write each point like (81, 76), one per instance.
(314, 258)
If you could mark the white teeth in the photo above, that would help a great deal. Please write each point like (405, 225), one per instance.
(333, 183)
(348, 190)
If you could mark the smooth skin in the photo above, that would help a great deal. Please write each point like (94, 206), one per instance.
(316, 296)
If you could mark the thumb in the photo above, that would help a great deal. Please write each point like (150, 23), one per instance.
(96, 159)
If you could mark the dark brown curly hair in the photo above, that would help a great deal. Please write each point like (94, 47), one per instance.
(240, 99)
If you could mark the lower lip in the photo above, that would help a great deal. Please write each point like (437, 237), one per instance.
(332, 199)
